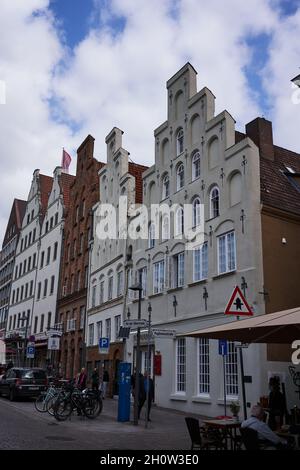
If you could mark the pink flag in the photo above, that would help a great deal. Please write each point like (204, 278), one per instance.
(66, 161)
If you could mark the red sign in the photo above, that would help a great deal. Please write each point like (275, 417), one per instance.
(237, 304)
(157, 364)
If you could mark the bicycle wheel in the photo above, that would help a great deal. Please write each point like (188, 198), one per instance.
(41, 403)
(92, 406)
(50, 404)
(62, 409)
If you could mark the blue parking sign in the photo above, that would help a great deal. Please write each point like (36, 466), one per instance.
(30, 352)
(223, 347)
(103, 345)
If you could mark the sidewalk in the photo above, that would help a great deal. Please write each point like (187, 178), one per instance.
(167, 429)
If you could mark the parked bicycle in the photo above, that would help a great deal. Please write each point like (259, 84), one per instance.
(87, 403)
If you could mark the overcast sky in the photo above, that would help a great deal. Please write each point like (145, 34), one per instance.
(78, 67)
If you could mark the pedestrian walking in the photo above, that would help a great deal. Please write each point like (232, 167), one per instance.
(142, 394)
(105, 381)
(82, 378)
(95, 380)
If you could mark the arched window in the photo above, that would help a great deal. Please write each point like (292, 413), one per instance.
(166, 187)
(214, 202)
(180, 177)
(179, 142)
(165, 228)
(151, 236)
(196, 211)
(179, 221)
(195, 165)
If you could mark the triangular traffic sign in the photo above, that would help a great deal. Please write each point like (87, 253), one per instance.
(237, 304)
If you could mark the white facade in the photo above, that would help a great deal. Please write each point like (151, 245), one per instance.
(47, 279)
(189, 289)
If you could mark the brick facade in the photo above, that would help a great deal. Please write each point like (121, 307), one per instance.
(84, 193)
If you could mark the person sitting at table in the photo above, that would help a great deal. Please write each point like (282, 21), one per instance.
(264, 432)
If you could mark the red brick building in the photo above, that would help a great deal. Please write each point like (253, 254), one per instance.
(84, 193)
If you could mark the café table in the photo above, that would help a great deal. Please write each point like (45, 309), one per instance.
(228, 427)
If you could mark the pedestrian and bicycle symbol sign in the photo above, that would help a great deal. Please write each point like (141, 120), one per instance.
(103, 345)
(237, 304)
(223, 347)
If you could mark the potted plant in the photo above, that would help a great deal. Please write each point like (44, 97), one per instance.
(235, 409)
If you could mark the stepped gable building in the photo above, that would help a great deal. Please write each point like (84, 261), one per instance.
(84, 193)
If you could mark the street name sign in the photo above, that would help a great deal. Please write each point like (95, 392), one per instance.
(136, 323)
(237, 304)
(157, 333)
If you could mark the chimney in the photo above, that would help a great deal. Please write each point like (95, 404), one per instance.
(260, 131)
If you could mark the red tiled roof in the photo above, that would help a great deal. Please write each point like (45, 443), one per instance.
(276, 182)
(137, 171)
(46, 183)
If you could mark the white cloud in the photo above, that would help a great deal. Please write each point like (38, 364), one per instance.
(119, 79)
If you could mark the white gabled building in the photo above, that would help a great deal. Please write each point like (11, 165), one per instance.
(48, 268)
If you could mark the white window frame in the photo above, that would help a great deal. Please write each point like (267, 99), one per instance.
(99, 329)
(203, 372)
(231, 372)
(108, 328)
(196, 165)
(179, 176)
(179, 221)
(200, 272)
(110, 287)
(91, 334)
(151, 235)
(165, 228)
(94, 293)
(117, 326)
(180, 367)
(166, 187)
(120, 283)
(159, 277)
(178, 264)
(101, 293)
(179, 142)
(229, 253)
(214, 202)
(196, 211)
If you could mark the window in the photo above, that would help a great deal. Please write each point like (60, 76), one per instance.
(52, 285)
(49, 321)
(74, 249)
(179, 270)
(33, 235)
(110, 287)
(81, 243)
(86, 276)
(22, 291)
(200, 262)
(165, 228)
(94, 290)
(231, 371)
(82, 317)
(142, 273)
(29, 239)
(117, 326)
(195, 166)
(180, 177)
(101, 298)
(13, 297)
(17, 296)
(45, 287)
(180, 366)
(47, 227)
(42, 259)
(39, 290)
(179, 221)
(35, 324)
(72, 283)
(78, 280)
(203, 367)
(91, 334)
(26, 290)
(31, 288)
(158, 277)
(120, 283)
(34, 261)
(24, 267)
(214, 202)
(179, 142)
(196, 206)
(226, 253)
(20, 269)
(56, 218)
(166, 187)
(29, 263)
(51, 223)
(14, 324)
(55, 251)
(99, 330)
(48, 254)
(42, 323)
(151, 236)
(83, 208)
(108, 328)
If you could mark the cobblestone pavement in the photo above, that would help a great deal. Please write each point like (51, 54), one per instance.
(22, 427)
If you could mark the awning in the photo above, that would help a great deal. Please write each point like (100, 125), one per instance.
(279, 327)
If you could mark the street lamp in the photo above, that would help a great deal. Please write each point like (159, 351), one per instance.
(137, 288)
